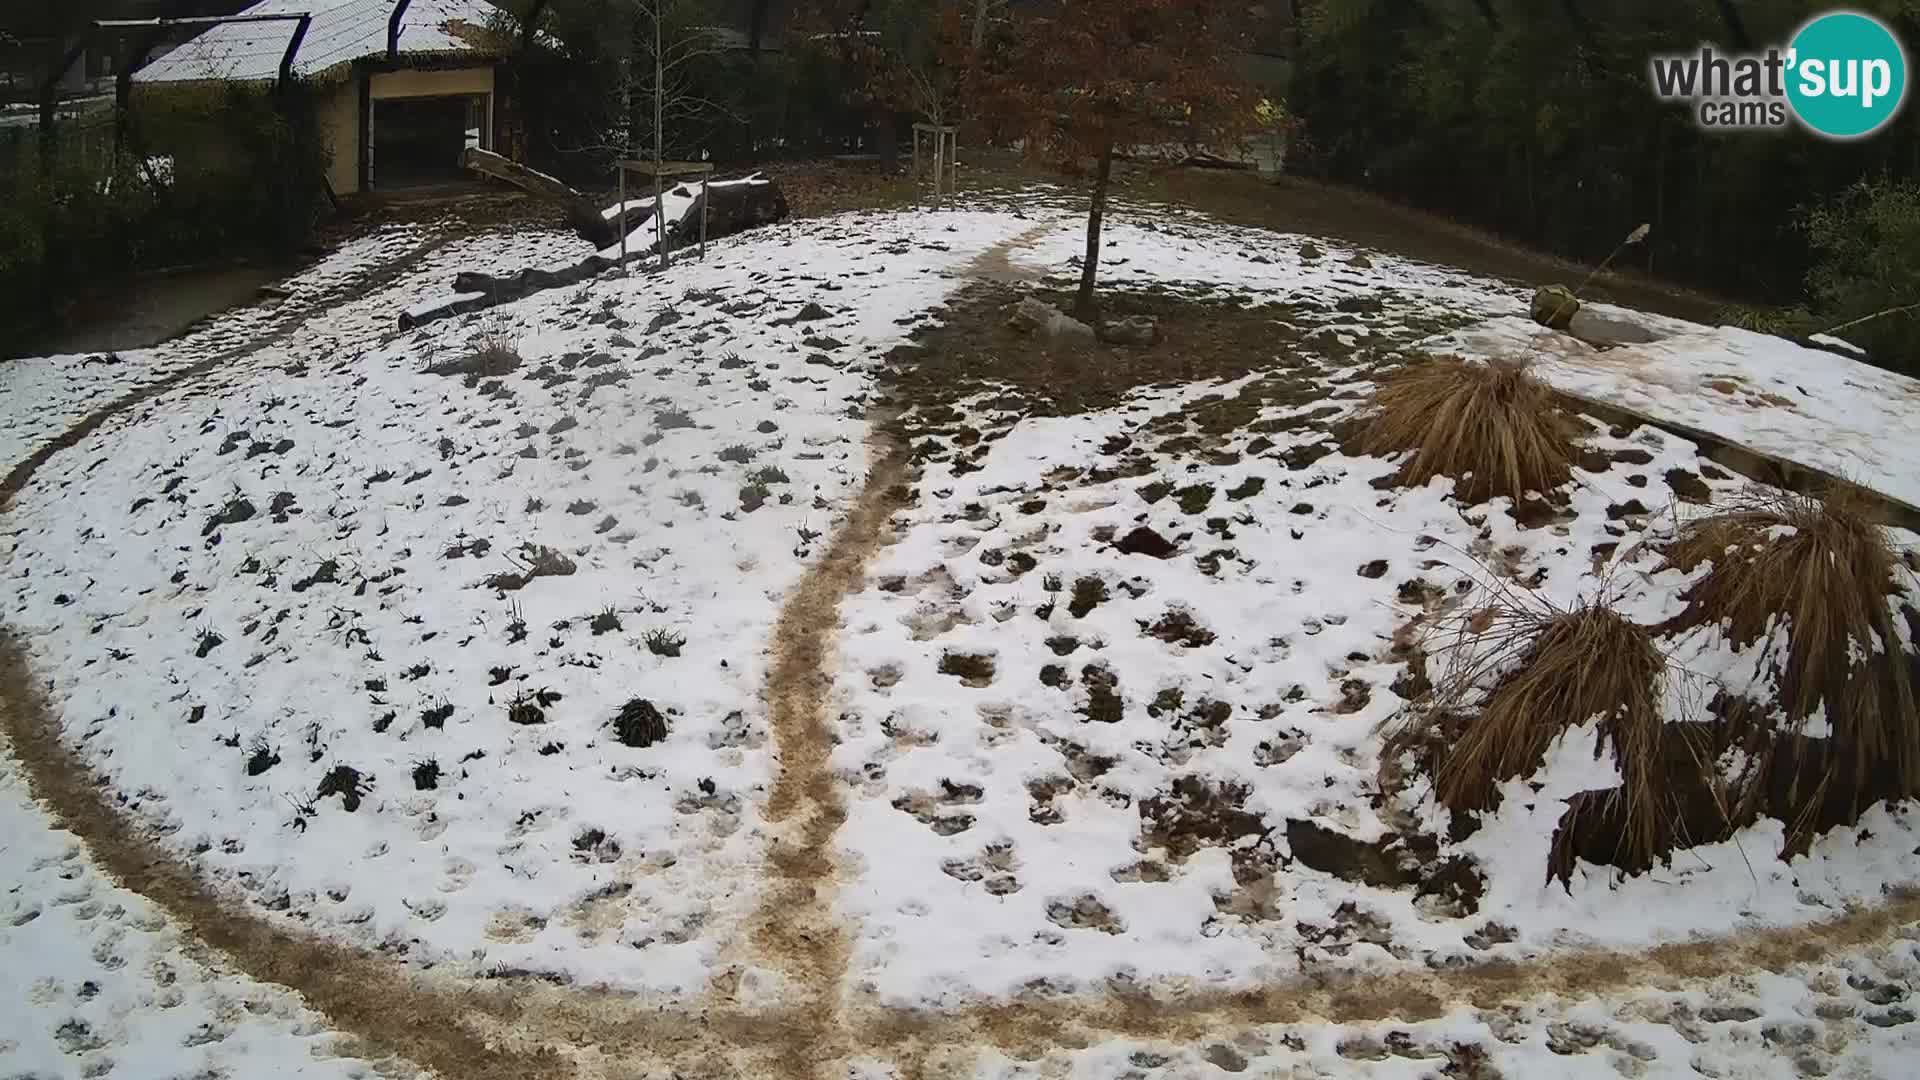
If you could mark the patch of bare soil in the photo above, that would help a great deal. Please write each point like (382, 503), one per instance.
(795, 928)
(1030, 1026)
(971, 350)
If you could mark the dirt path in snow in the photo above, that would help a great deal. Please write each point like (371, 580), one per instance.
(528, 1030)
(795, 927)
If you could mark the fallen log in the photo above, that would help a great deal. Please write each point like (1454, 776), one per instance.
(737, 205)
(582, 215)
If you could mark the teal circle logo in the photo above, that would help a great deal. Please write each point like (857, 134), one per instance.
(1846, 75)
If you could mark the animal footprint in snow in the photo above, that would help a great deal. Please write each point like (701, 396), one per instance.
(458, 873)
(930, 808)
(426, 910)
(512, 927)
(994, 866)
(1084, 912)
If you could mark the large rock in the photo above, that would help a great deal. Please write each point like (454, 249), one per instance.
(1595, 328)
(1139, 331)
(1032, 316)
(1554, 306)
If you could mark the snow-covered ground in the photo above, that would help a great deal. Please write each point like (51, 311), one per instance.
(99, 983)
(1070, 765)
(1075, 764)
(304, 566)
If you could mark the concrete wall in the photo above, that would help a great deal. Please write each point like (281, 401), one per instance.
(340, 127)
(340, 112)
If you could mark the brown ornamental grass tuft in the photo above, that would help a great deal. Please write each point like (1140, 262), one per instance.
(1549, 670)
(1819, 571)
(1494, 429)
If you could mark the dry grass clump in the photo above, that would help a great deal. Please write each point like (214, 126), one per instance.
(1494, 429)
(493, 355)
(1550, 670)
(1819, 570)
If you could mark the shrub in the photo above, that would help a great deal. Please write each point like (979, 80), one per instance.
(1863, 242)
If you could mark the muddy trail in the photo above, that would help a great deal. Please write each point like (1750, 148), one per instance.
(529, 1029)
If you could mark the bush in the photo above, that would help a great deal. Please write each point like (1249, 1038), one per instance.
(1864, 242)
(222, 172)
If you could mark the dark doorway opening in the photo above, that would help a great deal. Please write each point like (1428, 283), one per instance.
(418, 141)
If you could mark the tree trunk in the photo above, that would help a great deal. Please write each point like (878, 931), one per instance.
(659, 136)
(980, 24)
(1083, 305)
(582, 214)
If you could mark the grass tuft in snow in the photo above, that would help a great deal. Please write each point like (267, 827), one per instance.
(639, 724)
(346, 782)
(1821, 572)
(525, 709)
(663, 642)
(606, 622)
(493, 355)
(1520, 674)
(1494, 429)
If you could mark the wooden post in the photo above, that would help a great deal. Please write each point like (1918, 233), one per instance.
(623, 220)
(660, 219)
(703, 217)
